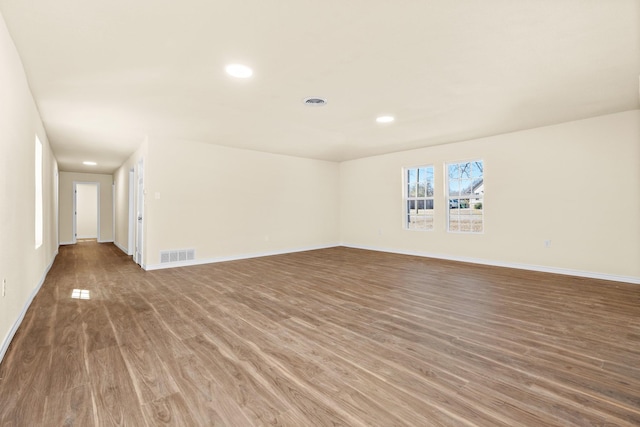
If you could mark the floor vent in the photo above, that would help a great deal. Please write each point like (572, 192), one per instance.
(177, 255)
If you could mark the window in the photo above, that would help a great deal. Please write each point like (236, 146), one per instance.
(418, 199)
(465, 197)
(38, 192)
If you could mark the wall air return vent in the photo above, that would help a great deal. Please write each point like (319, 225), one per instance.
(179, 255)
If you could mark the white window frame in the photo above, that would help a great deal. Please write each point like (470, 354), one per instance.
(39, 195)
(408, 197)
(455, 203)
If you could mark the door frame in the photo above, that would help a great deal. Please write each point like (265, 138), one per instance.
(138, 256)
(132, 213)
(74, 239)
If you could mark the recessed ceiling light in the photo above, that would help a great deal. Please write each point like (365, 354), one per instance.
(314, 101)
(385, 119)
(89, 163)
(239, 71)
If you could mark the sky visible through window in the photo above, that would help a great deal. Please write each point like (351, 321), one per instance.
(463, 177)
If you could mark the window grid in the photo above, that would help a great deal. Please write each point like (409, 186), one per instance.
(418, 200)
(465, 197)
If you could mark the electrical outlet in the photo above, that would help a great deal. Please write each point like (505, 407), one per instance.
(4, 287)
(547, 243)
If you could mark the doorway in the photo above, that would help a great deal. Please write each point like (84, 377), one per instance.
(132, 213)
(86, 208)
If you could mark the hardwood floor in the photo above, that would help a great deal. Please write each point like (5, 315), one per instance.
(329, 337)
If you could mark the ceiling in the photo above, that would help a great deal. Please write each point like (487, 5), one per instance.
(107, 74)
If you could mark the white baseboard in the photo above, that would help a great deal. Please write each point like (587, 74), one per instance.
(122, 248)
(16, 324)
(66, 243)
(233, 258)
(531, 267)
(105, 241)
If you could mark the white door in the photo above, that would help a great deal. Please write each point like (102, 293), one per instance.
(140, 213)
(132, 213)
(86, 210)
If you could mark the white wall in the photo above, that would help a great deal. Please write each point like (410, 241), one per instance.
(121, 179)
(87, 211)
(21, 264)
(576, 184)
(66, 204)
(227, 202)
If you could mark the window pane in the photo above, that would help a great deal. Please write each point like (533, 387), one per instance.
(454, 171)
(454, 187)
(465, 186)
(465, 223)
(428, 220)
(465, 170)
(420, 223)
(423, 174)
(429, 204)
(413, 190)
(477, 224)
(477, 215)
(477, 169)
(454, 224)
(478, 186)
(411, 176)
(422, 189)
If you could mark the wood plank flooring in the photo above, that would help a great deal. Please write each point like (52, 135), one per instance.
(335, 337)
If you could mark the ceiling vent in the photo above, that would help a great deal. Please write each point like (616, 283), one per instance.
(315, 101)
